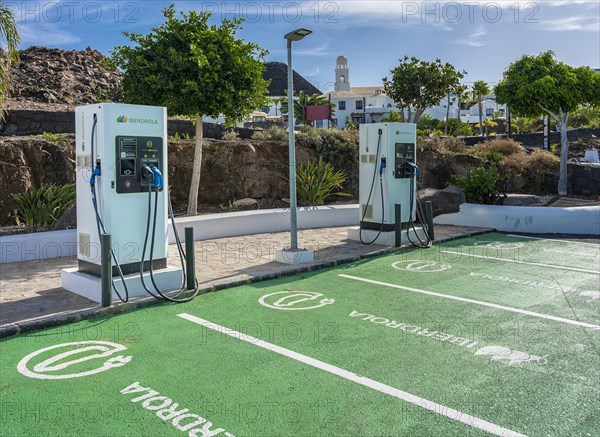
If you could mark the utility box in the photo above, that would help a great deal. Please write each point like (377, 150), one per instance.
(385, 150)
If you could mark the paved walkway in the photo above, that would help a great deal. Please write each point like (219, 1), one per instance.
(31, 296)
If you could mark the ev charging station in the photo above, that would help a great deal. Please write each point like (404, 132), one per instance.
(388, 171)
(122, 190)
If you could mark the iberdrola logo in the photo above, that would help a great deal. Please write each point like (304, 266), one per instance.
(122, 119)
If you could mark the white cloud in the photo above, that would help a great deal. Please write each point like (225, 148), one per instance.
(581, 23)
(475, 39)
(45, 35)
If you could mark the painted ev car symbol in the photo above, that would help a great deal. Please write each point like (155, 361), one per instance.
(52, 366)
(420, 266)
(294, 300)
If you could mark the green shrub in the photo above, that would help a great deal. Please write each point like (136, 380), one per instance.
(261, 135)
(426, 122)
(454, 145)
(278, 133)
(231, 136)
(53, 138)
(335, 146)
(481, 184)
(317, 181)
(175, 137)
(504, 146)
(44, 206)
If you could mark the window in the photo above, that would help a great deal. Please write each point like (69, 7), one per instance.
(266, 109)
(389, 105)
(342, 105)
(359, 104)
(318, 123)
(489, 112)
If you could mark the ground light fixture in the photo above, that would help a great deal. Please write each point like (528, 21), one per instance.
(293, 254)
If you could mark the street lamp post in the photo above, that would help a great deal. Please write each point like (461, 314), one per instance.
(295, 35)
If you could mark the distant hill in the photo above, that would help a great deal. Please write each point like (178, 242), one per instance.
(277, 73)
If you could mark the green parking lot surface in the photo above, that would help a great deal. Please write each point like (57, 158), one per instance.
(494, 334)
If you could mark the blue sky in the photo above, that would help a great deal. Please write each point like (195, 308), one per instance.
(481, 37)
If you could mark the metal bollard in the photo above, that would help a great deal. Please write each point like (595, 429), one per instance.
(190, 259)
(429, 217)
(398, 225)
(106, 270)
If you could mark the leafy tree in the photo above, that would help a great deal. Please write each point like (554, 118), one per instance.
(416, 85)
(9, 55)
(534, 85)
(481, 89)
(193, 69)
(302, 101)
(426, 121)
(392, 116)
(585, 116)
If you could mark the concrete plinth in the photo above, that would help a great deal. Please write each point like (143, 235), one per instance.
(288, 256)
(387, 238)
(90, 286)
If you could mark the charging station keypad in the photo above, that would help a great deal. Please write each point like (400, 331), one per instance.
(132, 153)
(403, 152)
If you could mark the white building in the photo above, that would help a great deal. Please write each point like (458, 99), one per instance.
(359, 104)
(371, 104)
(489, 108)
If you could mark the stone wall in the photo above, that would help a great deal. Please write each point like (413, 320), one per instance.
(24, 122)
(536, 139)
(583, 179)
(27, 122)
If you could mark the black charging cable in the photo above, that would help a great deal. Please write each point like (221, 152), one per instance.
(97, 171)
(418, 213)
(150, 176)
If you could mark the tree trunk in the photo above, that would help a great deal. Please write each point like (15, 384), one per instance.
(447, 115)
(564, 155)
(195, 184)
(480, 106)
(458, 117)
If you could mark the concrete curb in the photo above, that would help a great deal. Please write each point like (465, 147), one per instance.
(12, 329)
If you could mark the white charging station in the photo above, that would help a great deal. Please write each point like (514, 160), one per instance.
(388, 156)
(115, 144)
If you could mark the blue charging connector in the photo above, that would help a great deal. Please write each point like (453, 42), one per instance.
(158, 178)
(95, 172)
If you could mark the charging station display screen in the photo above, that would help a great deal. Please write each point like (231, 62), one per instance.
(132, 154)
(403, 152)
(127, 154)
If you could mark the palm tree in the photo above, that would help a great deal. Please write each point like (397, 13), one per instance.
(279, 101)
(305, 100)
(462, 93)
(9, 55)
(481, 89)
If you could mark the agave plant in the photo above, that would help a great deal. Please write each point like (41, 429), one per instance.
(316, 181)
(43, 207)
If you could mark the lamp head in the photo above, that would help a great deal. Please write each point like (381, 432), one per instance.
(298, 34)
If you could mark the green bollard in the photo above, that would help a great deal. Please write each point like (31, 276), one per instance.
(398, 225)
(429, 217)
(106, 270)
(190, 259)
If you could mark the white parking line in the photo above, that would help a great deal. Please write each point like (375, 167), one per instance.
(595, 245)
(474, 301)
(573, 269)
(364, 381)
